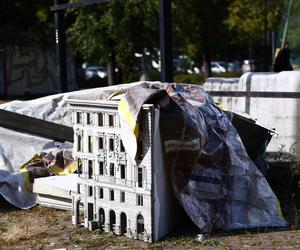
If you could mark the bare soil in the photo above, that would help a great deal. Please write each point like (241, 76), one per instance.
(46, 228)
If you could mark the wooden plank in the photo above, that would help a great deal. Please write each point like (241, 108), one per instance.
(34, 126)
(76, 5)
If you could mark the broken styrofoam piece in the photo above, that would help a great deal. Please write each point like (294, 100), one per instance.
(55, 191)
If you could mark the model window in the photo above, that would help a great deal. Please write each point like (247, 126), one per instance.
(122, 147)
(90, 191)
(140, 177)
(140, 200)
(112, 169)
(140, 150)
(90, 144)
(90, 172)
(100, 142)
(79, 166)
(79, 142)
(78, 117)
(111, 120)
(101, 193)
(123, 171)
(101, 166)
(122, 196)
(90, 212)
(78, 188)
(111, 144)
(89, 118)
(112, 195)
(100, 120)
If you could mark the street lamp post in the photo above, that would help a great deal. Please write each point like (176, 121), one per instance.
(266, 38)
(60, 42)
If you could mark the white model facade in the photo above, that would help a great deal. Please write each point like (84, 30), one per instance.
(118, 195)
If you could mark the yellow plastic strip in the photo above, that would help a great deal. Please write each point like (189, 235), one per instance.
(126, 115)
(27, 180)
(68, 170)
(119, 92)
(279, 210)
(36, 157)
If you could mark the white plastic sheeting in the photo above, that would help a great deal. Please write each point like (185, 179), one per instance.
(16, 148)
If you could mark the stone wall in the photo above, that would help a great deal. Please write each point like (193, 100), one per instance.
(32, 70)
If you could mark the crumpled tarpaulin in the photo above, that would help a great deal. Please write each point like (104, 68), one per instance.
(58, 162)
(213, 178)
(17, 148)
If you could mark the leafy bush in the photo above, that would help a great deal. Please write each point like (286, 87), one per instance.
(227, 74)
(284, 179)
(154, 75)
(135, 76)
(189, 78)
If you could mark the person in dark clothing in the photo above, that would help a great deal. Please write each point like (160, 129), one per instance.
(282, 60)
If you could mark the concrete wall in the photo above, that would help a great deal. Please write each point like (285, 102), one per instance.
(32, 70)
(271, 98)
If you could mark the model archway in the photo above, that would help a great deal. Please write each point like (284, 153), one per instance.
(112, 220)
(101, 217)
(140, 224)
(123, 223)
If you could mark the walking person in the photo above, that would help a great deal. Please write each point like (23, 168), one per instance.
(283, 59)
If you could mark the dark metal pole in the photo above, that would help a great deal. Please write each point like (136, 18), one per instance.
(61, 54)
(165, 30)
(266, 40)
(3, 82)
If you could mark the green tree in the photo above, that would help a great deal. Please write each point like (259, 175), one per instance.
(246, 18)
(199, 30)
(113, 32)
(293, 29)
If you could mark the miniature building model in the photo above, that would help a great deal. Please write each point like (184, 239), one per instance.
(118, 195)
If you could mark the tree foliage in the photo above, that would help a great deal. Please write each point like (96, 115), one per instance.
(118, 27)
(293, 29)
(246, 18)
(198, 28)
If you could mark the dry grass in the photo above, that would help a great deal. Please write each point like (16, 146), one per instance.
(44, 228)
(15, 233)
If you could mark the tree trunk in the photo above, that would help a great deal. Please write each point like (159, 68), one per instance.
(251, 56)
(120, 76)
(206, 64)
(111, 68)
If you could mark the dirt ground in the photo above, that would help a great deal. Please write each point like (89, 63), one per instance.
(46, 228)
